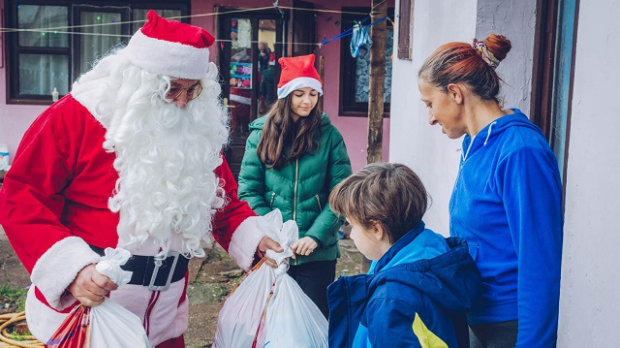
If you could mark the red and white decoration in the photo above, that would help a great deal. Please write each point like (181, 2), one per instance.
(170, 48)
(298, 72)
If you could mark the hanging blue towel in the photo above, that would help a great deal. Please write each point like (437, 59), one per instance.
(359, 39)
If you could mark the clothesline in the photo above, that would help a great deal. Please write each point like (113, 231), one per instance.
(54, 30)
(349, 31)
(207, 14)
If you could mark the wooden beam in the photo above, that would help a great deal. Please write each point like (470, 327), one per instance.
(377, 82)
(376, 90)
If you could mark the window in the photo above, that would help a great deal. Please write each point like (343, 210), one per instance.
(55, 42)
(252, 43)
(552, 84)
(355, 72)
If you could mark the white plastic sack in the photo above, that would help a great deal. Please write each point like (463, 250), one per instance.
(112, 325)
(108, 324)
(268, 309)
(293, 320)
(239, 319)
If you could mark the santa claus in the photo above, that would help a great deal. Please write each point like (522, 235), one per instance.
(131, 158)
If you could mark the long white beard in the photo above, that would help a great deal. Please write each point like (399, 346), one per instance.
(167, 190)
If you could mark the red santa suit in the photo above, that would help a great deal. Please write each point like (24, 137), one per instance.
(54, 207)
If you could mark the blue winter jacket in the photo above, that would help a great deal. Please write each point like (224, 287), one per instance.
(507, 204)
(416, 295)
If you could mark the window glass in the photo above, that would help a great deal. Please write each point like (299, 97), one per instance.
(40, 73)
(362, 71)
(100, 32)
(355, 64)
(56, 44)
(266, 64)
(41, 17)
(240, 82)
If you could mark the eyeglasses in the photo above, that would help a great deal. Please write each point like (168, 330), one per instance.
(192, 92)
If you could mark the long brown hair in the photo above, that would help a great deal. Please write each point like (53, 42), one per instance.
(280, 133)
(459, 62)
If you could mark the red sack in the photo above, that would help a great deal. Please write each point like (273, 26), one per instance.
(74, 331)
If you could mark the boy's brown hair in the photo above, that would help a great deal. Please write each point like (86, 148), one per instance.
(387, 193)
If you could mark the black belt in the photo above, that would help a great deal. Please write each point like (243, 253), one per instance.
(147, 273)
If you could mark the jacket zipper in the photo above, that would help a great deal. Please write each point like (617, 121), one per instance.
(273, 196)
(295, 198)
(295, 190)
(318, 200)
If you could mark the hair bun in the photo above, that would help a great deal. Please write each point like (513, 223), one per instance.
(498, 45)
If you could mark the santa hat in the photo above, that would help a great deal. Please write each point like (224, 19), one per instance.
(298, 72)
(170, 48)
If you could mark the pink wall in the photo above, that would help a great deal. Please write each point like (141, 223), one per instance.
(15, 119)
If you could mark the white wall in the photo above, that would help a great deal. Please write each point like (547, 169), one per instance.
(589, 305)
(516, 20)
(413, 141)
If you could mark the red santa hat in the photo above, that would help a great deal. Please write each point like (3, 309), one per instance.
(298, 72)
(170, 48)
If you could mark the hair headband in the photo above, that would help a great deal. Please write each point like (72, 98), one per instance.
(485, 54)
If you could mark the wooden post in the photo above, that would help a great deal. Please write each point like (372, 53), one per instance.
(376, 90)
(377, 83)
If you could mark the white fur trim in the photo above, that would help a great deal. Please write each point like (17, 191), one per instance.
(42, 320)
(244, 242)
(88, 99)
(167, 58)
(298, 83)
(58, 267)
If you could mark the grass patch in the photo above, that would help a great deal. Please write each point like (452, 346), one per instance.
(20, 337)
(15, 296)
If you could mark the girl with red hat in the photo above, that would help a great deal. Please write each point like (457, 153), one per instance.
(294, 157)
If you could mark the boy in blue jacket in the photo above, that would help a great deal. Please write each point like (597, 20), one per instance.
(419, 285)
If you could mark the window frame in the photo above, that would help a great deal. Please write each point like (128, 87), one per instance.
(73, 50)
(405, 18)
(347, 105)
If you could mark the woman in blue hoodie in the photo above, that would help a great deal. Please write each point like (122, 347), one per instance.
(507, 199)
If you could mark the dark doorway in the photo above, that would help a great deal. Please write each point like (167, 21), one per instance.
(253, 42)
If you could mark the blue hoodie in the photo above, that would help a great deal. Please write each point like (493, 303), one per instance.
(507, 204)
(422, 281)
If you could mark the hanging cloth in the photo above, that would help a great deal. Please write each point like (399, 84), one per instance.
(359, 40)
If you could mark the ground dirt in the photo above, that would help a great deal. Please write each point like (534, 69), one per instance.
(210, 280)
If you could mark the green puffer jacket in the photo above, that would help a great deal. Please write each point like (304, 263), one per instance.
(300, 189)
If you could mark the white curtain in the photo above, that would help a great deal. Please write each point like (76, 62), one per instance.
(100, 32)
(39, 74)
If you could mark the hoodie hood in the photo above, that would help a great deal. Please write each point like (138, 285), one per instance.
(451, 279)
(494, 129)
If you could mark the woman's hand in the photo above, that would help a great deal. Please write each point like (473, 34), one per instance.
(304, 246)
(90, 287)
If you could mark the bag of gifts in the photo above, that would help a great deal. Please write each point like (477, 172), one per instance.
(268, 309)
(108, 324)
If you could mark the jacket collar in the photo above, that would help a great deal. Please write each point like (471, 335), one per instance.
(398, 246)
